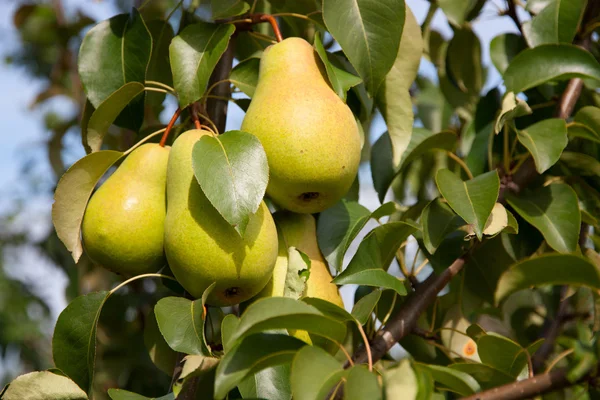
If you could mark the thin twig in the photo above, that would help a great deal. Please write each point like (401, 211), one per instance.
(512, 13)
(160, 84)
(558, 358)
(366, 345)
(348, 357)
(460, 162)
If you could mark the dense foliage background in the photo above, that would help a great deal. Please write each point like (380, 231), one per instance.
(489, 193)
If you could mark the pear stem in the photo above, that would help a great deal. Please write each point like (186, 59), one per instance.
(165, 136)
(194, 113)
(246, 24)
(271, 20)
(135, 278)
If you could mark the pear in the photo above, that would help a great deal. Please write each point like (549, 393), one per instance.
(202, 247)
(310, 136)
(123, 224)
(299, 231)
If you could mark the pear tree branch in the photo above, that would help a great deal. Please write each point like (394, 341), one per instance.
(532, 387)
(405, 320)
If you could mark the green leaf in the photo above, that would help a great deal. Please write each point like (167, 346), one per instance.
(159, 68)
(456, 10)
(106, 113)
(560, 61)
(314, 373)
(486, 265)
(438, 221)
(222, 9)
(194, 54)
(487, 376)
(181, 322)
(270, 383)
(341, 81)
(197, 374)
(228, 327)
(384, 210)
(554, 211)
(374, 255)
(496, 223)
(43, 385)
(361, 384)
(74, 339)
(329, 309)
(382, 165)
(337, 227)
(369, 33)
(473, 200)
(252, 354)
(245, 75)
(504, 48)
(577, 130)
(463, 61)
(72, 194)
(453, 380)
(584, 164)
(557, 22)
(363, 308)
(545, 141)
(233, 173)
(548, 269)
(120, 394)
(115, 52)
(502, 354)
(587, 118)
(158, 349)
(286, 313)
(393, 98)
(512, 108)
(298, 272)
(423, 142)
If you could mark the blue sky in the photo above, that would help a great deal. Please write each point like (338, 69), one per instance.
(24, 134)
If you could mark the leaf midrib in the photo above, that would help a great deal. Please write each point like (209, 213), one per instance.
(364, 32)
(202, 56)
(553, 228)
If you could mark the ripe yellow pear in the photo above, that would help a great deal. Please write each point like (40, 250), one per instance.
(202, 247)
(309, 135)
(299, 231)
(123, 225)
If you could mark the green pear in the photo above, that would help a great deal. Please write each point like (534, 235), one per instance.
(310, 136)
(123, 225)
(202, 247)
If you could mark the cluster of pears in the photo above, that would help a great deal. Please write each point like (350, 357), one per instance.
(151, 211)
